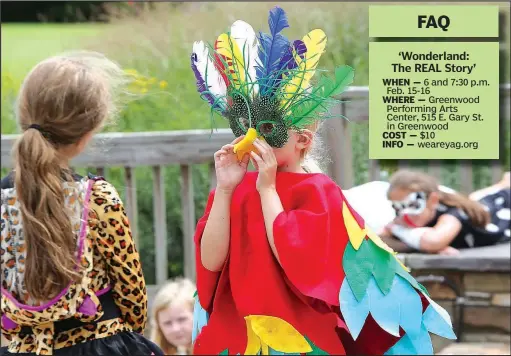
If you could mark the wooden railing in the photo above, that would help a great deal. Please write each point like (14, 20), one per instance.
(185, 148)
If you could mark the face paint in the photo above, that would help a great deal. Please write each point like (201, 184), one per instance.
(413, 204)
(408, 221)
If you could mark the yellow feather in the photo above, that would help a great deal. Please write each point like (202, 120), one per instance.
(278, 334)
(315, 42)
(227, 47)
(253, 342)
(356, 234)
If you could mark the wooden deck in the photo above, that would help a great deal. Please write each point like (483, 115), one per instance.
(186, 148)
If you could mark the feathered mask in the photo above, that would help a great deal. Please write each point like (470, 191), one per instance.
(262, 83)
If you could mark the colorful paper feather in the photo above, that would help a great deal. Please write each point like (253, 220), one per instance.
(200, 318)
(377, 284)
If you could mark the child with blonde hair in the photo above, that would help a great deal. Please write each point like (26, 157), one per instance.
(172, 317)
(284, 264)
(72, 281)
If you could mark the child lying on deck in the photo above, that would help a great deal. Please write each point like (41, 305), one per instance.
(435, 221)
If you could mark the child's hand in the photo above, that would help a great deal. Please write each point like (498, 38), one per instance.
(449, 251)
(266, 164)
(229, 171)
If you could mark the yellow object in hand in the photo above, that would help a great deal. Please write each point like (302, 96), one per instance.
(246, 145)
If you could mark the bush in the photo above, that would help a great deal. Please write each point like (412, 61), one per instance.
(52, 11)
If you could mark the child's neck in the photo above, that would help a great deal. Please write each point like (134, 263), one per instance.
(291, 168)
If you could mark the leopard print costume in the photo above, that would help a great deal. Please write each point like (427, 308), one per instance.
(110, 262)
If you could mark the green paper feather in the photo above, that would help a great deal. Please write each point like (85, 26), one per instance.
(358, 267)
(195, 294)
(225, 352)
(315, 350)
(384, 267)
(317, 100)
(409, 278)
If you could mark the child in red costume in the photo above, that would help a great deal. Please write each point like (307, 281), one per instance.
(284, 264)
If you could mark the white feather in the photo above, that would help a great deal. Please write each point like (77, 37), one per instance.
(214, 79)
(246, 39)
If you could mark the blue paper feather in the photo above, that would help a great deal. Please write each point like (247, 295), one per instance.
(353, 311)
(401, 307)
(417, 344)
(436, 324)
(200, 318)
(384, 308)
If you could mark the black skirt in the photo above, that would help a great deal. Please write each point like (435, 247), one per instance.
(124, 343)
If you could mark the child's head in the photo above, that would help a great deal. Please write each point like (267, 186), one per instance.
(172, 316)
(270, 88)
(62, 102)
(416, 195)
(296, 151)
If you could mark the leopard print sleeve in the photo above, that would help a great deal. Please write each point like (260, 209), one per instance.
(112, 235)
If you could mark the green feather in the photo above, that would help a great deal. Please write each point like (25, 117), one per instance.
(384, 267)
(315, 350)
(358, 268)
(327, 87)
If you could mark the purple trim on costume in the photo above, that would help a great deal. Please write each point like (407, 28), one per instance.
(100, 292)
(88, 307)
(7, 323)
(83, 229)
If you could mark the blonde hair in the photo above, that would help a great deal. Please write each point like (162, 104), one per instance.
(61, 100)
(418, 181)
(309, 155)
(176, 292)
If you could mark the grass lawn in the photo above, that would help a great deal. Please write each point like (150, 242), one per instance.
(23, 45)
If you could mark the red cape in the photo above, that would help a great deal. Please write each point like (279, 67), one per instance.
(310, 237)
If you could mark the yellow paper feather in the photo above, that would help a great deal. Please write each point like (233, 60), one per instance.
(315, 42)
(226, 46)
(355, 233)
(378, 241)
(264, 349)
(253, 342)
(278, 334)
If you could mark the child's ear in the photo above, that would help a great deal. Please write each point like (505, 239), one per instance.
(304, 139)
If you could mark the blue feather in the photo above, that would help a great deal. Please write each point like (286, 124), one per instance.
(417, 344)
(277, 21)
(272, 47)
(200, 318)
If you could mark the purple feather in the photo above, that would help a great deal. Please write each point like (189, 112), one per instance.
(288, 61)
(201, 83)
